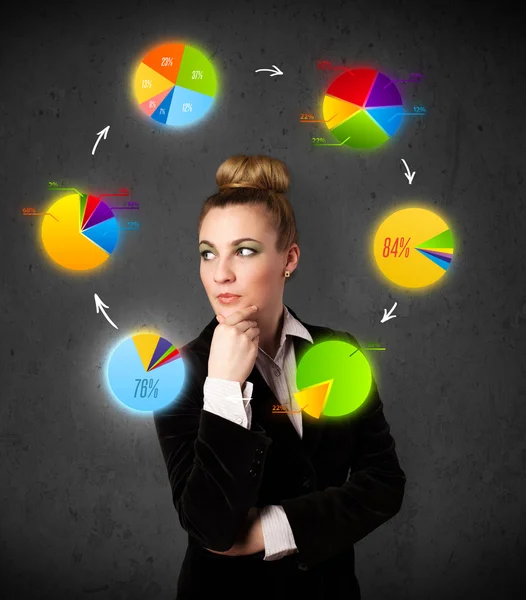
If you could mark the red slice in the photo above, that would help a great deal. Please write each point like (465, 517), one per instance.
(353, 86)
(91, 205)
(172, 356)
(159, 59)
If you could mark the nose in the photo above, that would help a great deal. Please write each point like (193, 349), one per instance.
(223, 272)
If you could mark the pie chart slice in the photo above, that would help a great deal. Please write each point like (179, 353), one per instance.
(333, 379)
(335, 111)
(200, 104)
(144, 388)
(383, 93)
(314, 398)
(362, 130)
(413, 247)
(363, 108)
(68, 244)
(175, 85)
(165, 60)
(353, 86)
(387, 117)
(149, 83)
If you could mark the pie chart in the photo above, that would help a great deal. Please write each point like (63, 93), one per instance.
(175, 84)
(80, 232)
(333, 379)
(146, 372)
(413, 247)
(363, 108)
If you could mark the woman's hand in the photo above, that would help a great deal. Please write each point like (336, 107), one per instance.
(251, 539)
(234, 346)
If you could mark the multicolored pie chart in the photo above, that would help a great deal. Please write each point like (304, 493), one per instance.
(363, 108)
(333, 379)
(413, 247)
(80, 232)
(146, 372)
(175, 84)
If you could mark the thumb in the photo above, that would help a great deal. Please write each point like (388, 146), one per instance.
(220, 318)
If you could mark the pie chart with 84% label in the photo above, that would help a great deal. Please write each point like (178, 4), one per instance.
(413, 247)
(80, 232)
(146, 372)
(175, 84)
(333, 378)
(363, 108)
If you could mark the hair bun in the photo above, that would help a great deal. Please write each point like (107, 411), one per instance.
(258, 172)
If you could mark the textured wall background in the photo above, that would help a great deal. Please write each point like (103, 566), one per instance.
(85, 504)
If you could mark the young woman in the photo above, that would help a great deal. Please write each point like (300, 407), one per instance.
(273, 501)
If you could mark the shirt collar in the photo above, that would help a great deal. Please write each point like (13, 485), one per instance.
(291, 326)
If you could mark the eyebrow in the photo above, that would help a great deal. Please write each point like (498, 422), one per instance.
(234, 243)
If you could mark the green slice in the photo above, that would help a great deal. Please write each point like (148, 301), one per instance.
(83, 198)
(442, 240)
(197, 73)
(362, 130)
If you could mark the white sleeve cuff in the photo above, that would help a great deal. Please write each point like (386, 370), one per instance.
(224, 398)
(277, 533)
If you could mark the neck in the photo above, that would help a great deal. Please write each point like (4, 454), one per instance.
(271, 326)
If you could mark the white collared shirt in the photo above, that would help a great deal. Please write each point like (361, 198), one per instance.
(226, 399)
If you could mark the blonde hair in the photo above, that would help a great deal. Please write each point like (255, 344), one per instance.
(258, 181)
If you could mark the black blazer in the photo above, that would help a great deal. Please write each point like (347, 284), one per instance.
(337, 483)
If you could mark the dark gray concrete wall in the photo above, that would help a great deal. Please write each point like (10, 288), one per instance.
(85, 504)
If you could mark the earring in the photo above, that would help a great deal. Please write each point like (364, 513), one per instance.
(287, 273)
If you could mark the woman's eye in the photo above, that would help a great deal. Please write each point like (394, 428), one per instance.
(251, 250)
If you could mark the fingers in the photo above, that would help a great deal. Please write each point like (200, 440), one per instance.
(240, 315)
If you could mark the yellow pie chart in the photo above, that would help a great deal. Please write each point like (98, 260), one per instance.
(413, 247)
(79, 232)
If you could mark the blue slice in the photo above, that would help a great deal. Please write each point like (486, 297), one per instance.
(161, 114)
(179, 111)
(388, 117)
(444, 264)
(104, 234)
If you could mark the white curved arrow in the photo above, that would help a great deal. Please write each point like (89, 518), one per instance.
(388, 315)
(409, 175)
(101, 133)
(275, 71)
(99, 306)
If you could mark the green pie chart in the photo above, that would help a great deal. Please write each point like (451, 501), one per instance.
(333, 378)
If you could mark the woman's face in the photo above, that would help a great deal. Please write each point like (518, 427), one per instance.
(233, 264)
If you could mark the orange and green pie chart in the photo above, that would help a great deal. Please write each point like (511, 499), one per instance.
(333, 379)
(175, 84)
(363, 108)
(413, 247)
(80, 232)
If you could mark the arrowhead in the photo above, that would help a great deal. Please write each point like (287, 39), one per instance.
(99, 302)
(104, 131)
(278, 71)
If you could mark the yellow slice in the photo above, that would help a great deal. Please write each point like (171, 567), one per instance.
(146, 343)
(312, 399)
(336, 110)
(149, 83)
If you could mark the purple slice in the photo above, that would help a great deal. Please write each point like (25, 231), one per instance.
(442, 255)
(162, 347)
(101, 213)
(384, 93)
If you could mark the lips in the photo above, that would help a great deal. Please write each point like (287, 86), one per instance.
(228, 296)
